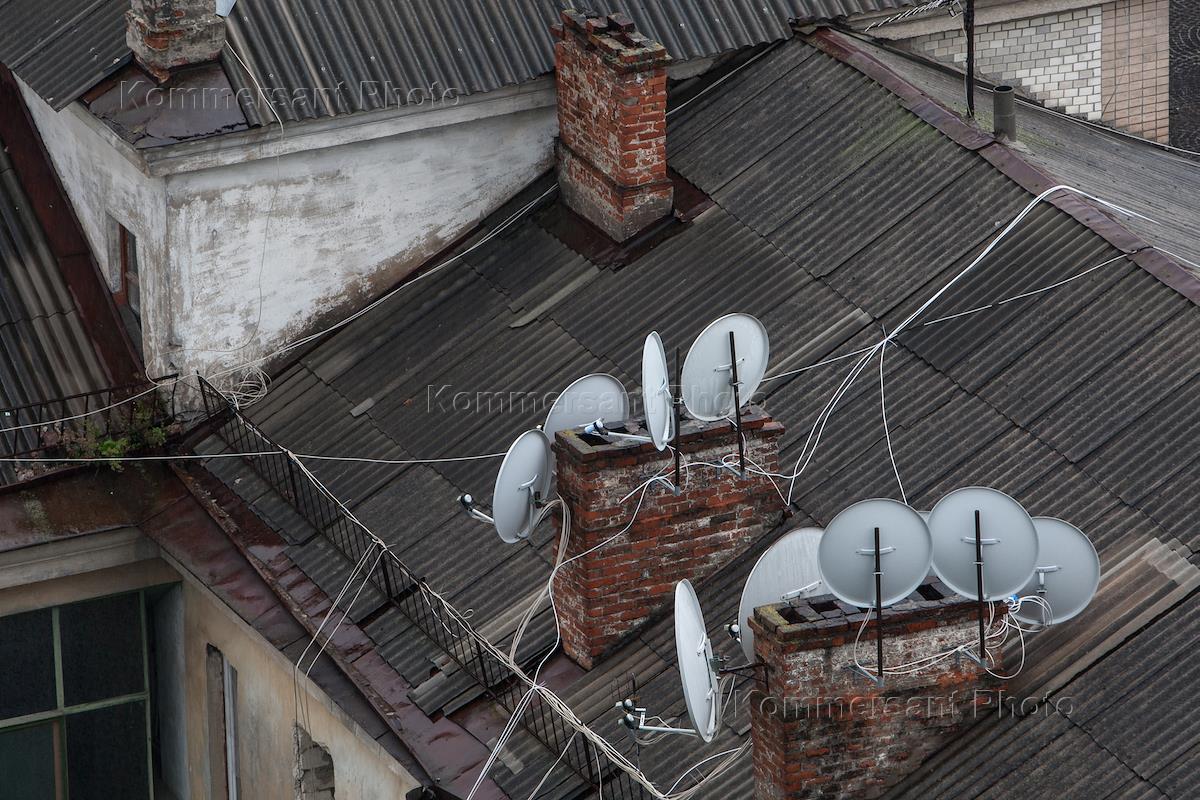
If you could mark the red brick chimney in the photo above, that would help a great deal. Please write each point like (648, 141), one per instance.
(820, 730)
(604, 596)
(612, 123)
(167, 34)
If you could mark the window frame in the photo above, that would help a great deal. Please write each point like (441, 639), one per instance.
(60, 715)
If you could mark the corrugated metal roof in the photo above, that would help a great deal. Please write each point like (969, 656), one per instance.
(826, 250)
(45, 351)
(333, 58)
(62, 48)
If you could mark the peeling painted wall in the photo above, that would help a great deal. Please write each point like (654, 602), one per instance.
(343, 212)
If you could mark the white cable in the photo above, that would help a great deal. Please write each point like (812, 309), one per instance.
(886, 431)
(819, 425)
(557, 761)
(685, 773)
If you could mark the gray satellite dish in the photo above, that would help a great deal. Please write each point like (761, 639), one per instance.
(1067, 573)
(695, 657)
(522, 484)
(656, 391)
(590, 398)
(708, 369)
(847, 553)
(787, 571)
(1007, 542)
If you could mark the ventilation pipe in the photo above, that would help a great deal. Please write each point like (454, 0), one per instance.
(1004, 113)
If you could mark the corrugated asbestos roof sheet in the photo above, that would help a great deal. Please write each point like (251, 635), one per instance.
(62, 48)
(329, 58)
(837, 211)
(364, 55)
(45, 352)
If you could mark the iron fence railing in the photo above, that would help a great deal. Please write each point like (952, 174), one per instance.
(109, 422)
(415, 599)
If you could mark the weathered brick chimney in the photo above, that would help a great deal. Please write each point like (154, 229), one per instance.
(167, 34)
(603, 596)
(820, 730)
(612, 123)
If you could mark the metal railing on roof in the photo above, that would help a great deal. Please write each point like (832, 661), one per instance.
(416, 600)
(110, 422)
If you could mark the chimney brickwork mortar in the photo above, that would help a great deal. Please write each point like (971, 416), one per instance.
(820, 730)
(612, 120)
(167, 34)
(604, 596)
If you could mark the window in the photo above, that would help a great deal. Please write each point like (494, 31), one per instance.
(128, 292)
(222, 726)
(75, 701)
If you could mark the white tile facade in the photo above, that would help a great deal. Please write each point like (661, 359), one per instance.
(1056, 57)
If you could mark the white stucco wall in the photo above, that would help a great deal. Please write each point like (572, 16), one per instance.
(104, 179)
(345, 208)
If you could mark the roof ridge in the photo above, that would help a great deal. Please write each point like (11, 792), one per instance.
(1009, 162)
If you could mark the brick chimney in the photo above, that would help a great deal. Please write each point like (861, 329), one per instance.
(607, 594)
(612, 123)
(820, 730)
(167, 34)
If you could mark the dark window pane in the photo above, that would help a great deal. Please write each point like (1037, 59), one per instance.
(106, 753)
(101, 649)
(26, 664)
(27, 763)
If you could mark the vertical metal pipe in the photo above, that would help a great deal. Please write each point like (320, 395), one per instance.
(1004, 113)
(737, 401)
(969, 30)
(676, 404)
(878, 609)
(979, 582)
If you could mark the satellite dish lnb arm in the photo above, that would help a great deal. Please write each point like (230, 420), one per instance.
(468, 504)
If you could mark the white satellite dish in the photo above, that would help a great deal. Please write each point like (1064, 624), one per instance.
(522, 485)
(708, 370)
(656, 392)
(1067, 573)
(695, 658)
(586, 400)
(787, 571)
(1006, 539)
(874, 554)
(225, 7)
(846, 555)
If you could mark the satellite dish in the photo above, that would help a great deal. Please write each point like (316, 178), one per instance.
(1008, 542)
(522, 484)
(656, 391)
(1067, 573)
(590, 398)
(787, 571)
(224, 7)
(695, 657)
(846, 555)
(707, 370)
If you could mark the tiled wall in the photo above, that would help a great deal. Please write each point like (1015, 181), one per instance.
(1108, 62)
(1056, 58)
(1135, 67)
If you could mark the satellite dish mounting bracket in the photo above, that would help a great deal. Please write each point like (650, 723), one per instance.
(877, 552)
(737, 404)
(633, 717)
(473, 511)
